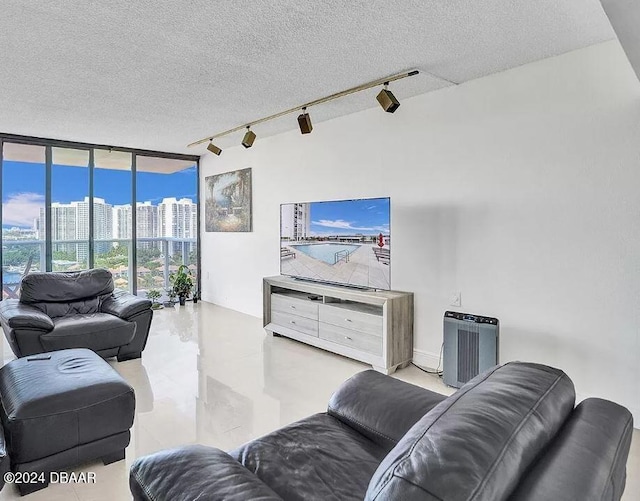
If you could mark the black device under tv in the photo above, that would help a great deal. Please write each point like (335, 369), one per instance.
(342, 242)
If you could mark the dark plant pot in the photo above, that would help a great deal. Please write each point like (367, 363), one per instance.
(195, 299)
(182, 300)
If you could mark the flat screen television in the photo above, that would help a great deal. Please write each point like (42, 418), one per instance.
(346, 242)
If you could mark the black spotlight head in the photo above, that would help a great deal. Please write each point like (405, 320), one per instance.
(304, 122)
(248, 139)
(214, 149)
(388, 101)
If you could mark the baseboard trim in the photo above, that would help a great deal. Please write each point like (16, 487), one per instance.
(426, 359)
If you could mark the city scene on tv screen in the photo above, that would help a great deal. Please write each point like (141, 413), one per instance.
(346, 242)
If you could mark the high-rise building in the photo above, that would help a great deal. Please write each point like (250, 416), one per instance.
(121, 221)
(64, 225)
(172, 218)
(70, 222)
(176, 220)
(295, 221)
(194, 222)
(102, 222)
(39, 225)
(147, 223)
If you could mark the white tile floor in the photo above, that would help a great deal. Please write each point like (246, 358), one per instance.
(210, 375)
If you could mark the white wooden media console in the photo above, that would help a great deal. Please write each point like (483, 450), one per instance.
(375, 327)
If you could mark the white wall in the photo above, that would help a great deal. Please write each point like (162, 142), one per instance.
(521, 190)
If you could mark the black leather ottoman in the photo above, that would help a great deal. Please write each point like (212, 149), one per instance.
(61, 409)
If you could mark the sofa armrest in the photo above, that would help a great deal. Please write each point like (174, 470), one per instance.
(585, 460)
(18, 315)
(124, 305)
(380, 407)
(195, 472)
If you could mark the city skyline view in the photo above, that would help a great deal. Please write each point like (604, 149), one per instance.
(23, 189)
(166, 221)
(170, 218)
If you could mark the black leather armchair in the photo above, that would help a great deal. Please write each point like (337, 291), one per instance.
(57, 311)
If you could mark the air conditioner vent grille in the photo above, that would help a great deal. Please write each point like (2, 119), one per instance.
(468, 354)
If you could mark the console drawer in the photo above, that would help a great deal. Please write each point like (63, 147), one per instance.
(301, 324)
(350, 319)
(354, 339)
(287, 304)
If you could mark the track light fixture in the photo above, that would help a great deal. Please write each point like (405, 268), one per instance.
(387, 100)
(214, 149)
(249, 138)
(304, 122)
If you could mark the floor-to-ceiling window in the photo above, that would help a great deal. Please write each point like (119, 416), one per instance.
(112, 217)
(70, 206)
(23, 208)
(167, 219)
(69, 209)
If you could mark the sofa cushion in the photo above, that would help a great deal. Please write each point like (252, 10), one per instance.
(97, 331)
(380, 407)
(81, 307)
(65, 287)
(476, 444)
(316, 458)
(586, 460)
(195, 472)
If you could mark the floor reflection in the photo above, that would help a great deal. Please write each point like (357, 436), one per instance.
(212, 376)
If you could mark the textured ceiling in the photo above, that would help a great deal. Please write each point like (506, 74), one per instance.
(161, 74)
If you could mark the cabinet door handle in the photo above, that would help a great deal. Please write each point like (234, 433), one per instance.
(293, 321)
(348, 320)
(293, 307)
(347, 337)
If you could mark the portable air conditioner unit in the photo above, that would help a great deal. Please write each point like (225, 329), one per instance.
(470, 346)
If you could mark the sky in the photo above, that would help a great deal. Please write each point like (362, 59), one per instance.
(367, 217)
(23, 186)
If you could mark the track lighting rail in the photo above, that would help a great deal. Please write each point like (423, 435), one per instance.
(325, 99)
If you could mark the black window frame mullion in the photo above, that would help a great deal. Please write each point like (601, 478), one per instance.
(48, 244)
(198, 239)
(91, 244)
(133, 255)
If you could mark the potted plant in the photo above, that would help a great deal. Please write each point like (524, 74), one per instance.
(195, 295)
(154, 295)
(172, 298)
(181, 283)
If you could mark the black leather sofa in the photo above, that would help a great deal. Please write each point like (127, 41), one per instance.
(512, 433)
(57, 311)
